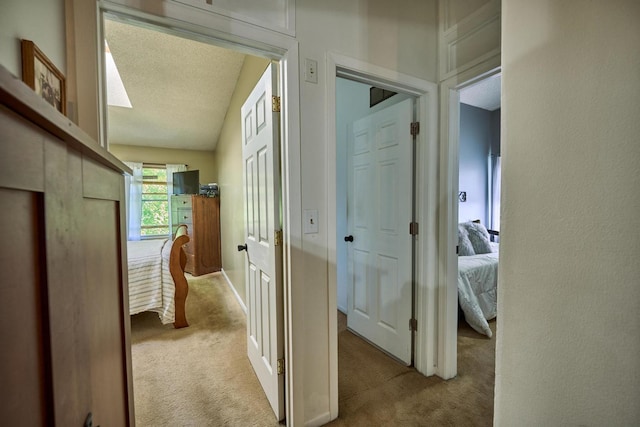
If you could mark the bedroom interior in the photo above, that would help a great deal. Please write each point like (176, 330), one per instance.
(189, 127)
(479, 203)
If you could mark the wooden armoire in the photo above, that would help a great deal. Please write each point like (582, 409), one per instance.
(64, 321)
(201, 214)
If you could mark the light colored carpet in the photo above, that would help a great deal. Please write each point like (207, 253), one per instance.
(375, 390)
(200, 375)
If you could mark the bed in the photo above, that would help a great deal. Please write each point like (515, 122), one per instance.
(477, 276)
(156, 278)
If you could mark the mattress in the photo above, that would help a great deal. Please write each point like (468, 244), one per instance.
(151, 286)
(477, 289)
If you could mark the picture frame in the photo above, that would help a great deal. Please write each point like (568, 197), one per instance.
(41, 75)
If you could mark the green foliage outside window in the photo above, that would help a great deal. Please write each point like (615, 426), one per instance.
(155, 202)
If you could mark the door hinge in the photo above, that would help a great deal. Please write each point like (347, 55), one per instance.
(413, 228)
(277, 241)
(415, 128)
(413, 325)
(280, 366)
(275, 104)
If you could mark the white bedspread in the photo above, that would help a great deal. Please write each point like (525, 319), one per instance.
(477, 289)
(151, 286)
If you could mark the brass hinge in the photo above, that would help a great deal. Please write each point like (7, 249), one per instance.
(415, 128)
(413, 325)
(275, 104)
(280, 366)
(277, 241)
(413, 228)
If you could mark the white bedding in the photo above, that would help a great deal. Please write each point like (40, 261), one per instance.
(477, 289)
(151, 286)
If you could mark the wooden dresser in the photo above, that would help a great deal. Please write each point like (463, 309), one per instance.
(202, 216)
(64, 320)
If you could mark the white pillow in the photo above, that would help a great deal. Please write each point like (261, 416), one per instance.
(479, 237)
(465, 248)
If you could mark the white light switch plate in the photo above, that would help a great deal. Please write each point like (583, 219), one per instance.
(310, 221)
(311, 70)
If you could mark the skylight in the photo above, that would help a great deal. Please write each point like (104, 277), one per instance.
(116, 93)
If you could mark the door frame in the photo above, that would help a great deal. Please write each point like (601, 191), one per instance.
(426, 92)
(233, 34)
(448, 215)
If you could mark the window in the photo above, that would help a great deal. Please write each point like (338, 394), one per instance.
(155, 201)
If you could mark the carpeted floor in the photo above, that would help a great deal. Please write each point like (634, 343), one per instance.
(200, 375)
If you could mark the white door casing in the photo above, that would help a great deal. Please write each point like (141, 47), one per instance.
(379, 211)
(265, 315)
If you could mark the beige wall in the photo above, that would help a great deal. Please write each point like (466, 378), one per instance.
(229, 166)
(568, 340)
(399, 35)
(42, 22)
(204, 161)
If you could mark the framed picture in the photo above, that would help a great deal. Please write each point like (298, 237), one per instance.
(39, 73)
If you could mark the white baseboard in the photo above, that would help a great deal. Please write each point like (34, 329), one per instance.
(233, 289)
(320, 420)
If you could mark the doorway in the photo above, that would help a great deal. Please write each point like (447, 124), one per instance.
(286, 59)
(426, 165)
(375, 169)
(479, 214)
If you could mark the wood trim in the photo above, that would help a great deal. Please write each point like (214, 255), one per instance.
(19, 97)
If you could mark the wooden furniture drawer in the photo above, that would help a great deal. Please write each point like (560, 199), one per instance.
(184, 216)
(183, 202)
(202, 216)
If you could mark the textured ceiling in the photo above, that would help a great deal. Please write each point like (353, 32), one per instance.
(179, 89)
(485, 94)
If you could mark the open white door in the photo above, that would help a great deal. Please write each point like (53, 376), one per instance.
(379, 212)
(263, 234)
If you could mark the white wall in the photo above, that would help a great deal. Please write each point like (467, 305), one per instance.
(398, 35)
(568, 341)
(468, 34)
(41, 21)
(352, 103)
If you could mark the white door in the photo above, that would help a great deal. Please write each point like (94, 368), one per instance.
(265, 321)
(379, 211)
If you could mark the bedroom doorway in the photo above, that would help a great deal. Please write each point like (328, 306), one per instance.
(478, 214)
(273, 57)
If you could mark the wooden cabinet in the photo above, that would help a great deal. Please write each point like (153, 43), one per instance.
(202, 216)
(64, 321)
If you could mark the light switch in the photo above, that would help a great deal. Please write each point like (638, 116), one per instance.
(311, 70)
(310, 221)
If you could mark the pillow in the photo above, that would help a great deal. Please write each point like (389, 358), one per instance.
(479, 237)
(465, 248)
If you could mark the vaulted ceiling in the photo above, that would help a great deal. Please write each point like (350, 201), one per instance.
(179, 89)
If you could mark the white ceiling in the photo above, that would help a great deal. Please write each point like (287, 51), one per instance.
(485, 94)
(180, 89)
